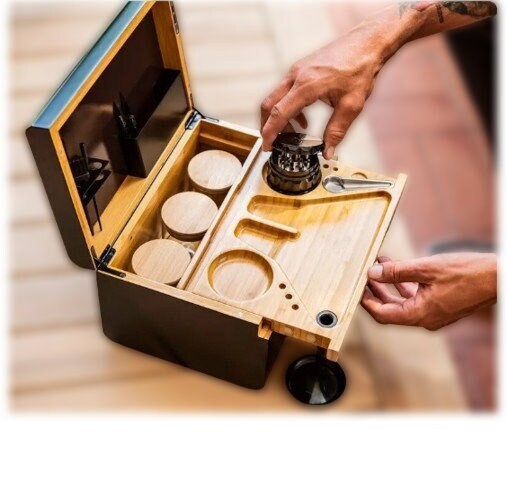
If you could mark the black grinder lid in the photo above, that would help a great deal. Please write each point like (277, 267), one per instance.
(298, 143)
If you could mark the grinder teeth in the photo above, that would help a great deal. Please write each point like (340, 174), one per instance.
(293, 162)
(293, 166)
(292, 174)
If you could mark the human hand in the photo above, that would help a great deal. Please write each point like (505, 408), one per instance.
(340, 74)
(432, 291)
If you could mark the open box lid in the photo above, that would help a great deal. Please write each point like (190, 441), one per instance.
(107, 131)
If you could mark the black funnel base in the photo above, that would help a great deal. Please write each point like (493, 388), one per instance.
(314, 380)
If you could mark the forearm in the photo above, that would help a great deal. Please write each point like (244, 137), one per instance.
(445, 16)
(390, 28)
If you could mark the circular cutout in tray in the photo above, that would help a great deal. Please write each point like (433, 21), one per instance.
(240, 275)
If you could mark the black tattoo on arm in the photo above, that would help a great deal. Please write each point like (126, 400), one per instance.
(440, 13)
(477, 10)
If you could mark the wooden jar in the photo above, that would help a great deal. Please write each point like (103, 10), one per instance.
(187, 216)
(161, 260)
(213, 172)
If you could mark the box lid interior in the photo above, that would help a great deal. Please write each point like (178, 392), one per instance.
(117, 117)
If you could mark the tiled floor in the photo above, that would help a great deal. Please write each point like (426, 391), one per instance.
(425, 124)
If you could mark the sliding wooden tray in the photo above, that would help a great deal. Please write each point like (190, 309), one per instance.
(298, 261)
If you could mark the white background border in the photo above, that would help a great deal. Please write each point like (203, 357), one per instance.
(349, 452)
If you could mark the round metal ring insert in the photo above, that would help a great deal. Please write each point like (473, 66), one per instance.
(326, 318)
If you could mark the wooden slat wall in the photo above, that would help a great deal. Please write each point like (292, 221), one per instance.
(59, 357)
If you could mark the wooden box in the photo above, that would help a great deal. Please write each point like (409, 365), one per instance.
(269, 265)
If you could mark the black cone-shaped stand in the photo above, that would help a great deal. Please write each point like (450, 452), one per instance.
(314, 380)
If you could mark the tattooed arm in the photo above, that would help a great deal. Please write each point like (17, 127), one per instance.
(342, 74)
(443, 16)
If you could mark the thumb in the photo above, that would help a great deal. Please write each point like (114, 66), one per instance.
(400, 271)
(343, 115)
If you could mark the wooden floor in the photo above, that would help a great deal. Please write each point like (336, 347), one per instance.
(59, 358)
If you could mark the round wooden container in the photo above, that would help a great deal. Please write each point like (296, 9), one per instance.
(187, 216)
(161, 260)
(213, 172)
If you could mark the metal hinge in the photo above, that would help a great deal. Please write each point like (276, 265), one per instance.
(195, 117)
(103, 262)
(175, 20)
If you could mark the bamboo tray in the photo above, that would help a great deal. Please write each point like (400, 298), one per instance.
(299, 261)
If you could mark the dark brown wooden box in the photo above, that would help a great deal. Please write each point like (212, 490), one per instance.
(162, 321)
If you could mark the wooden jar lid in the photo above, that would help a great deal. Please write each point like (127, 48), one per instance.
(161, 260)
(187, 216)
(214, 171)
